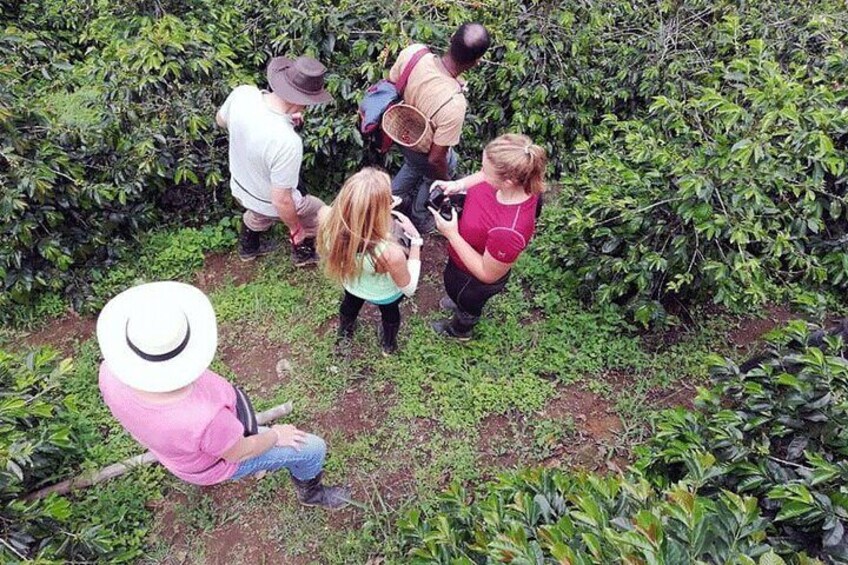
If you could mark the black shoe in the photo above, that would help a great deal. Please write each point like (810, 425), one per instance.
(313, 493)
(388, 338)
(262, 248)
(445, 328)
(304, 254)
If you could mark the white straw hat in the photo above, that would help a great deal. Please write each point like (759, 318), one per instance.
(158, 337)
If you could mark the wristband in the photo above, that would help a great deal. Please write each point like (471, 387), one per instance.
(415, 241)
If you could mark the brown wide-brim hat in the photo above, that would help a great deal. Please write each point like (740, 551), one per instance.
(298, 81)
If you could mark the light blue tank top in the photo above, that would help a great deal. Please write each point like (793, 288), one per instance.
(377, 288)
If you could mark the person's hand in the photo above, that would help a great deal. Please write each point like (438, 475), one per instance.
(297, 235)
(406, 225)
(289, 436)
(447, 228)
(448, 186)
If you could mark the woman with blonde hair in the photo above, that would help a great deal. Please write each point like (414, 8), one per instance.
(498, 220)
(358, 250)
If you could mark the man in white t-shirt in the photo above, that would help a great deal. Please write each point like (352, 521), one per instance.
(266, 153)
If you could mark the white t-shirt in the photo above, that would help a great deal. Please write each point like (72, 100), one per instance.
(265, 150)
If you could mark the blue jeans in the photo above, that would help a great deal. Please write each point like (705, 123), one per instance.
(304, 464)
(412, 185)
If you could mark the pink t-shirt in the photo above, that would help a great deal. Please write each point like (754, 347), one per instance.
(188, 436)
(504, 230)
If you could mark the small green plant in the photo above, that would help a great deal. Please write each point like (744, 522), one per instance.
(549, 435)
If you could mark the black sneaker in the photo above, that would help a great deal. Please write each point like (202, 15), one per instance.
(304, 254)
(445, 328)
(264, 248)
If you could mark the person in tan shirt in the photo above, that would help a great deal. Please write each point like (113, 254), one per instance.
(436, 89)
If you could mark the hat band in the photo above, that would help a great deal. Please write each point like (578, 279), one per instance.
(299, 88)
(162, 356)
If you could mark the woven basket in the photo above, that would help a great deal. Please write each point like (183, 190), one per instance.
(408, 127)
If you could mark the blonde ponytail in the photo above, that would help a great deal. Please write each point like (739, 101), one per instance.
(515, 157)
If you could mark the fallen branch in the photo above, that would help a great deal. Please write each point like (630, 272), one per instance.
(88, 479)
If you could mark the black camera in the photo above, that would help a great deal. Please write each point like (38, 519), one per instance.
(444, 203)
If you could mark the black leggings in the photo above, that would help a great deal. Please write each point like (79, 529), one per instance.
(469, 294)
(352, 304)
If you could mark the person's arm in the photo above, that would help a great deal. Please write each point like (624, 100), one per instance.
(483, 267)
(281, 199)
(222, 116)
(438, 161)
(250, 447)
(253, 446)
(459, 186)
(405, 271)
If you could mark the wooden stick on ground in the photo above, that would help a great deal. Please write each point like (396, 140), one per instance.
(85, 480)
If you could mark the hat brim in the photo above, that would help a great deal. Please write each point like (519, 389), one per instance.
(161, 376)
(281, 86)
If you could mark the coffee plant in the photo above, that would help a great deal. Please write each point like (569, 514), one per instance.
(703, 142)
(35, 446)
(755, 474)
(777, 429)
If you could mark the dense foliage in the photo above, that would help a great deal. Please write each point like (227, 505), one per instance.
(777, 429)
(704, 142)
(758, 469)
(35, 445)
(52, 425)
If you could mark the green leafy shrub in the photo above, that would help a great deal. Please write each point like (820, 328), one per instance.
(778, 430)
(758, 470)
(34, 446)
(548, 516)
(728, 184)
(52, 425)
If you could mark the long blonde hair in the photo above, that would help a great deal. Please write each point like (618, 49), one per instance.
(515, 157)
(359, 218)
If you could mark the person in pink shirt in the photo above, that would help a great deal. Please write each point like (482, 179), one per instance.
(502, 202)
(157, 341)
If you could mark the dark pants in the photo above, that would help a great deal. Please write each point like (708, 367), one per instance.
(412, 185)
(469, 295)
(351, 305)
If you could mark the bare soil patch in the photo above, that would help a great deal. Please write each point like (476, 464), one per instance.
(64, 334)
(222, 268)
(750, 330)
(358, 411)
(241, 537)
(252, 356)
(504, 439)
(433, 257)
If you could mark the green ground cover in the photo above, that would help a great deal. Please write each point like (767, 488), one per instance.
(571, 388)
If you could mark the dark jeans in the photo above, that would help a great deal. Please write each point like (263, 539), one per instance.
(352, 304)
(412, 185)
(469, 295)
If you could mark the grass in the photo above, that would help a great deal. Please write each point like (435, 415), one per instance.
(400, 429)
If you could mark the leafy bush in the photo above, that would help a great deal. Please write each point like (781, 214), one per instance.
(34, 445)
(548, 516)
(107, 128)
(778, 430)
(729, 183)
(52, 424)
(758, 470)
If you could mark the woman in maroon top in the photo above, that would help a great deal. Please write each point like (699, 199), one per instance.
(498, 220)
